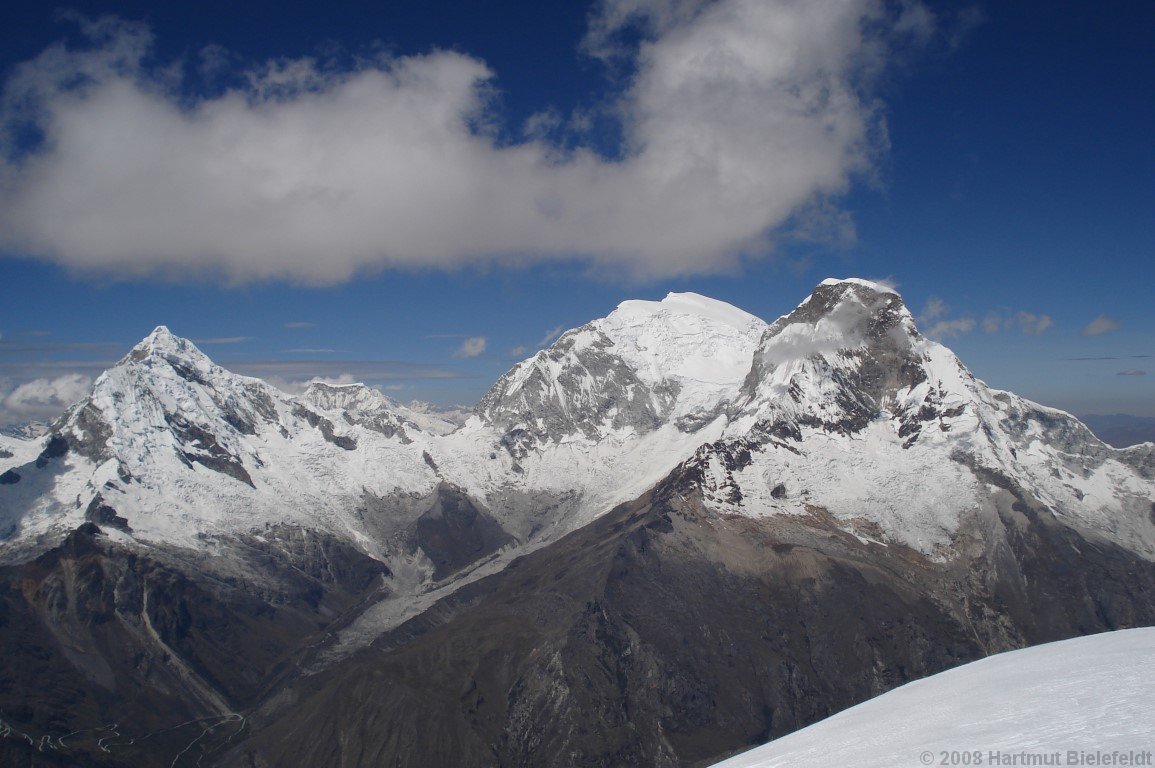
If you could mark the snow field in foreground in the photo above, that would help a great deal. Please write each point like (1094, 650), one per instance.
(1087, 701)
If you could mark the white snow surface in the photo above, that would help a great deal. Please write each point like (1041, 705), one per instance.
(704, 344)
(1093, 695)
(21, 451)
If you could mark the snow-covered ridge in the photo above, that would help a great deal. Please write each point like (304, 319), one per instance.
(1091, 695)
(840, 405)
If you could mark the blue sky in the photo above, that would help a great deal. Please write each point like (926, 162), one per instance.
(368, 193)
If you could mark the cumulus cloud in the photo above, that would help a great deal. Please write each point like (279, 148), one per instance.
(1100, 325)
(42, 399)
(739, 117)
(474, 346)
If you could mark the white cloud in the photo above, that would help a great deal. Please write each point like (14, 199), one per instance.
(934, 309)
(741, 116)
(1032, 324)
(474, 346)
(939, 326)
(1029, 323)
(41, 399)
(551, 335)
(1100, 325)
(945, 329)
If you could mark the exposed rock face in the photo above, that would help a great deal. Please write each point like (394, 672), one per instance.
(103, 515)
(199, 445)
(593, 388)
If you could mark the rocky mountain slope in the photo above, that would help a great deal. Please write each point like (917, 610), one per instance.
(675, 532)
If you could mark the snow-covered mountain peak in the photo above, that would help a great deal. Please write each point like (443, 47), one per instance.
(844, 310)
(165, 343)
(685, 337)
(687, 304)
(646, 364)
(180, 448)
(362, 405)
(165, 385)
(342, 396)
(873, 285)
(846, 353)
(849, 409)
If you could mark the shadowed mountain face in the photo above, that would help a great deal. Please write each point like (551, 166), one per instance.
(666, 635)
(117, 658)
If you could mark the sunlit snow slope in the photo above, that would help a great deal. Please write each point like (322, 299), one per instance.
(1092, 694)
(850, 410)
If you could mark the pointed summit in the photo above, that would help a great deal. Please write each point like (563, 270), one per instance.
(165, 343)
(844, 356)
(844, 311)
